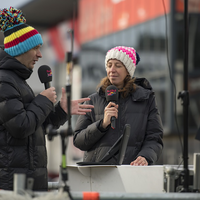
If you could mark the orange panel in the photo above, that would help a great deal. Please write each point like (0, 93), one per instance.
(102, 17)
(193, 6)
(56, 43)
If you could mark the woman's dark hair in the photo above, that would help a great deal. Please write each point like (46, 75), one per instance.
(129, 85)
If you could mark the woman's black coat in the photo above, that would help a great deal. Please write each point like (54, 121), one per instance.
(139, 110)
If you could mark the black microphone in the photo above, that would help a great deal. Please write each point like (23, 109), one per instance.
(112, 96)
(45, 75)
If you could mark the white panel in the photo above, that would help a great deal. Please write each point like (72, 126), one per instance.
(124, 178)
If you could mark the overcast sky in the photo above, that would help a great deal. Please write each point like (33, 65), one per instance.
(13, 3)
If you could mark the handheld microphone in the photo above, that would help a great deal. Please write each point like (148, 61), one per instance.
(112, 96)
(45, 75)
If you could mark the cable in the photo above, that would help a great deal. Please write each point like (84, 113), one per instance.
(170, 74)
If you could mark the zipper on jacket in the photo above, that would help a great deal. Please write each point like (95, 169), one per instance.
(29, 88)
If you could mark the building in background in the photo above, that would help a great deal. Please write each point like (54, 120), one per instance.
(155, 28)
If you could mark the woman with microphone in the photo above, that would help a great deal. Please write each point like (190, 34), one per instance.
(135, 105)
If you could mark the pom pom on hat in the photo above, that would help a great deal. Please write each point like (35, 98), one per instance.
(127, 55)
(18, 36)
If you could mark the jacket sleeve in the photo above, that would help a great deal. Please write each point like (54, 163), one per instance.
(87, 132)
(56, 118)
(152, 144)
(19, 121)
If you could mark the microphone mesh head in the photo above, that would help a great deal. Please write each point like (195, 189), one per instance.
(45, 74)
(111, 93)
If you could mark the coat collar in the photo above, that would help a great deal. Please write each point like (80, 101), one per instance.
(8, 62)
(142, 92)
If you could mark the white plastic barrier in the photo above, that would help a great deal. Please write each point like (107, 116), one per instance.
(124, 178)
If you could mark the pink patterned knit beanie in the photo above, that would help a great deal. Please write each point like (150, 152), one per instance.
(127, 55)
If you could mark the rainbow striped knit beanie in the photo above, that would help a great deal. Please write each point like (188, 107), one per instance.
(127, 55)
(18, 36)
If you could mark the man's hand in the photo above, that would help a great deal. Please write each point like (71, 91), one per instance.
(76, 107)
(50, 93)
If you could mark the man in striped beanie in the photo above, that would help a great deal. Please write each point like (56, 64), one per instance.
(23, 116)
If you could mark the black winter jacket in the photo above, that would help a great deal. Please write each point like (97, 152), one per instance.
(23, 120)
(139, 110)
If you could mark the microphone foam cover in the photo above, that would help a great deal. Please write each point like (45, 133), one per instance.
(45, 74)
(111, 93)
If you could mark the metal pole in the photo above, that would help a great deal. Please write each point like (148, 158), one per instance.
(186, 104)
